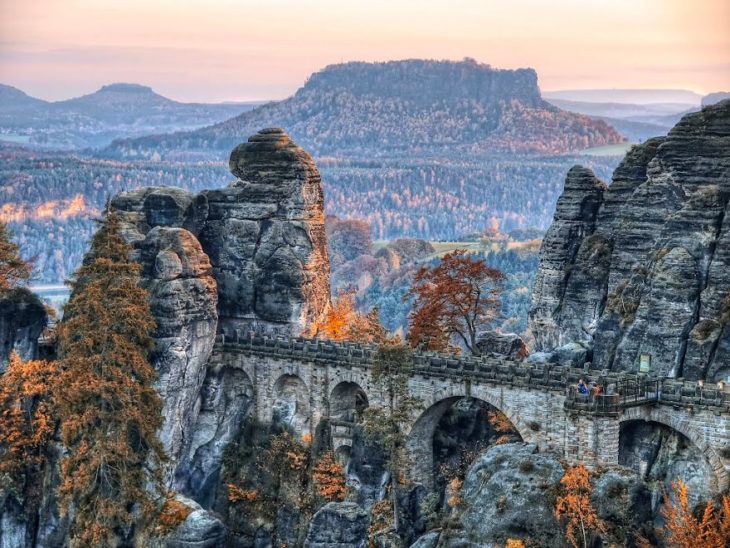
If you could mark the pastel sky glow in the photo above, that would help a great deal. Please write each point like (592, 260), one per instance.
(218, 50)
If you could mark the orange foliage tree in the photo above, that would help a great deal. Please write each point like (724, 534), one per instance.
(27, 418)
(329, 478)
(13, 269)
(342, 319)
(502, 426)
(345, 323)
(453, 300)
(108, 408)
(574, 506)
(684, 529)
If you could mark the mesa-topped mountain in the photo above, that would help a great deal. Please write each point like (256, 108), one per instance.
(95, 119)
(413, 106)
(638, 273)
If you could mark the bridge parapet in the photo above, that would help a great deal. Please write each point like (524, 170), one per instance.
(553, 378)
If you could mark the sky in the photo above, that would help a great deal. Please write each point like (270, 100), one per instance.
(237, 50)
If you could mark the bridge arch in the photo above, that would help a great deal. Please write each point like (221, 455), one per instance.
(422, 431)
(347, 400)
(291, 406)
(661, 416)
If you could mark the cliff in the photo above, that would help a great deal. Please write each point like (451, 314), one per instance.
(248, 257)
(642, 268)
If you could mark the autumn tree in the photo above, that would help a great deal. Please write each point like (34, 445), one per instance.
(343, 320)
(574, 507)
(27, 418)
(13, 269)
(371, 330)
(709, 528)
(453, 301)
(329, 478)
(27, 424)
(344, 323)
(386, 424)
(108, 408)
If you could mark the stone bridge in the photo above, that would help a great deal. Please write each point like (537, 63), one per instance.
(306, 381)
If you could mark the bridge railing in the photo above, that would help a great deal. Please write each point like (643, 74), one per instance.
(488, 369)
(627, 392)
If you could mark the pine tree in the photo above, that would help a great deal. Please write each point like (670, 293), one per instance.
(13, 269)
(108, 407)
(329, 478)
(26, 417)
(27, 426)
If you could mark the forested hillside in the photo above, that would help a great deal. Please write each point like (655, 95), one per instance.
(49, 198)
(413, 106)
(96, 119)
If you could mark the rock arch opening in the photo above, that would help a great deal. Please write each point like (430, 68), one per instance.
(347, 402)
(290, 407)
(660, 454)
(450, 435)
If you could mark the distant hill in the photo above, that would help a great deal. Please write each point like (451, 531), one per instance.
(412, 106)
(13, 99)
(714, 98)
(94, 120)
(633, 96)
(636, 121)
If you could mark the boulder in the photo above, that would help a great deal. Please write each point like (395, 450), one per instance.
(572, 354)
(338, 525)
(200, 529)
(510, 345)
(508, 493)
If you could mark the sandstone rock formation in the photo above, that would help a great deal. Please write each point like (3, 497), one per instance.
(338, 525)
(266, 239)
(200, 529)
(183, 298)
(510, 490)
(503, 344)
(641, 270)
(263, 234)
(248, 257)
(22, 319)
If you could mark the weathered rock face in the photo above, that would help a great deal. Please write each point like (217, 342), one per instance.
(252, 256)
(503, 344)
(266, 239)
(264, 235)
(183, 298)
(646, 270)
(574, 221)
(338, 525)
(22, 319)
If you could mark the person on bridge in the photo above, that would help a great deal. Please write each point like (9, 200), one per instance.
(596, 389)
(582, 388)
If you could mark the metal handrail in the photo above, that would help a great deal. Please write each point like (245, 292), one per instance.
(627, 393)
